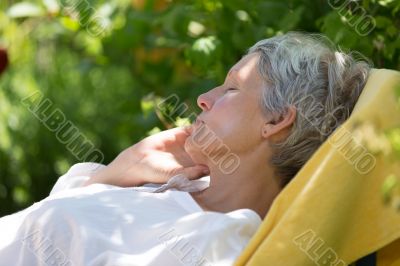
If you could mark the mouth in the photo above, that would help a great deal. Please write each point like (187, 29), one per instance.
(195, 125)
(198, 121)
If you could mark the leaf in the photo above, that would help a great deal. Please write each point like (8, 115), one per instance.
(52, 6)
(147, 104)
(388, 187)
(25, 9)
(153, 131)
(204, 52)
(181, 122)
(382, 22)
(69, 23)
(291, 19)
(394, 139)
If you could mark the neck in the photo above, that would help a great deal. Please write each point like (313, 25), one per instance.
(251, 186)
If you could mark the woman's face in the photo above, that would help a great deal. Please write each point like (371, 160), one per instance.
(231, 114)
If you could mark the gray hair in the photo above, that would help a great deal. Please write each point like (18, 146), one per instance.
(322, 83)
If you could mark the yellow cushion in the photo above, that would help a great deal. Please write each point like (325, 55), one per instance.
(332, 212)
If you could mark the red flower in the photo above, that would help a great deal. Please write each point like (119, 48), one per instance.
(3, 60)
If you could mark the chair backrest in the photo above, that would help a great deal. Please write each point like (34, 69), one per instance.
(332, 212)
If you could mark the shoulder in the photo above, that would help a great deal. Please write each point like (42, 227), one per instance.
(75, 176)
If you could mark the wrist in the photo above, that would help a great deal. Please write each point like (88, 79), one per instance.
(96, 177)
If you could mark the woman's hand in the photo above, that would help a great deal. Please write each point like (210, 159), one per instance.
(155, 159)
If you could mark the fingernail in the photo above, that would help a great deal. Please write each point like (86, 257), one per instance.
(206, 171)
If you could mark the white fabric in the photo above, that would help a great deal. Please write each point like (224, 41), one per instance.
(182, 183)
(107, 225)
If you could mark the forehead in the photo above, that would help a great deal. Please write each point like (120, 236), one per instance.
(246, 69)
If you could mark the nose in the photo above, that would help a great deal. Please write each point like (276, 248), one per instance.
(204, 102)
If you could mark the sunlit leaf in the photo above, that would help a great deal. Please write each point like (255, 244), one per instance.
(20, 195)
(69, 23)
(147, 104)
(153, 131)
(25, 9)
(388, 187)
(394, 139)
(52, 6)
(180, 122)
(204, 52)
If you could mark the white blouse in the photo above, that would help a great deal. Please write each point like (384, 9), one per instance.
(108, 225)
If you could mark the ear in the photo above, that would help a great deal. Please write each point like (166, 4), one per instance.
(275, 128)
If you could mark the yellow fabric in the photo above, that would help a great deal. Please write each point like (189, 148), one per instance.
(332, 212)
(389, 255)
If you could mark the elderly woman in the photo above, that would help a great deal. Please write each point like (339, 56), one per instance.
(276, 107)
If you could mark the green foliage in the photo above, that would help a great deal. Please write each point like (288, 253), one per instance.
(107, 75)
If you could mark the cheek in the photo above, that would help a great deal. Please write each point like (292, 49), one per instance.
(224, 119)
(238, 125)
(235, 127)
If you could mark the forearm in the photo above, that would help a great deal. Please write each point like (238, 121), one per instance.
(115, 176)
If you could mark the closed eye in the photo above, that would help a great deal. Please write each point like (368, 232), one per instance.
(230, 89)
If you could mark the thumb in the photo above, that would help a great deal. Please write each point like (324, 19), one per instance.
(195, 172)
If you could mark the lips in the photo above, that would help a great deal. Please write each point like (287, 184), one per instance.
(190, 129)
(198, 121)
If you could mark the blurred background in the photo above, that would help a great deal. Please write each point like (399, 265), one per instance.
(98, 69)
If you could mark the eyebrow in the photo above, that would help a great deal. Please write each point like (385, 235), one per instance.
(233, 73)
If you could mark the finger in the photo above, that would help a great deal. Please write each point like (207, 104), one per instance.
(196, 171)
(182, 133)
